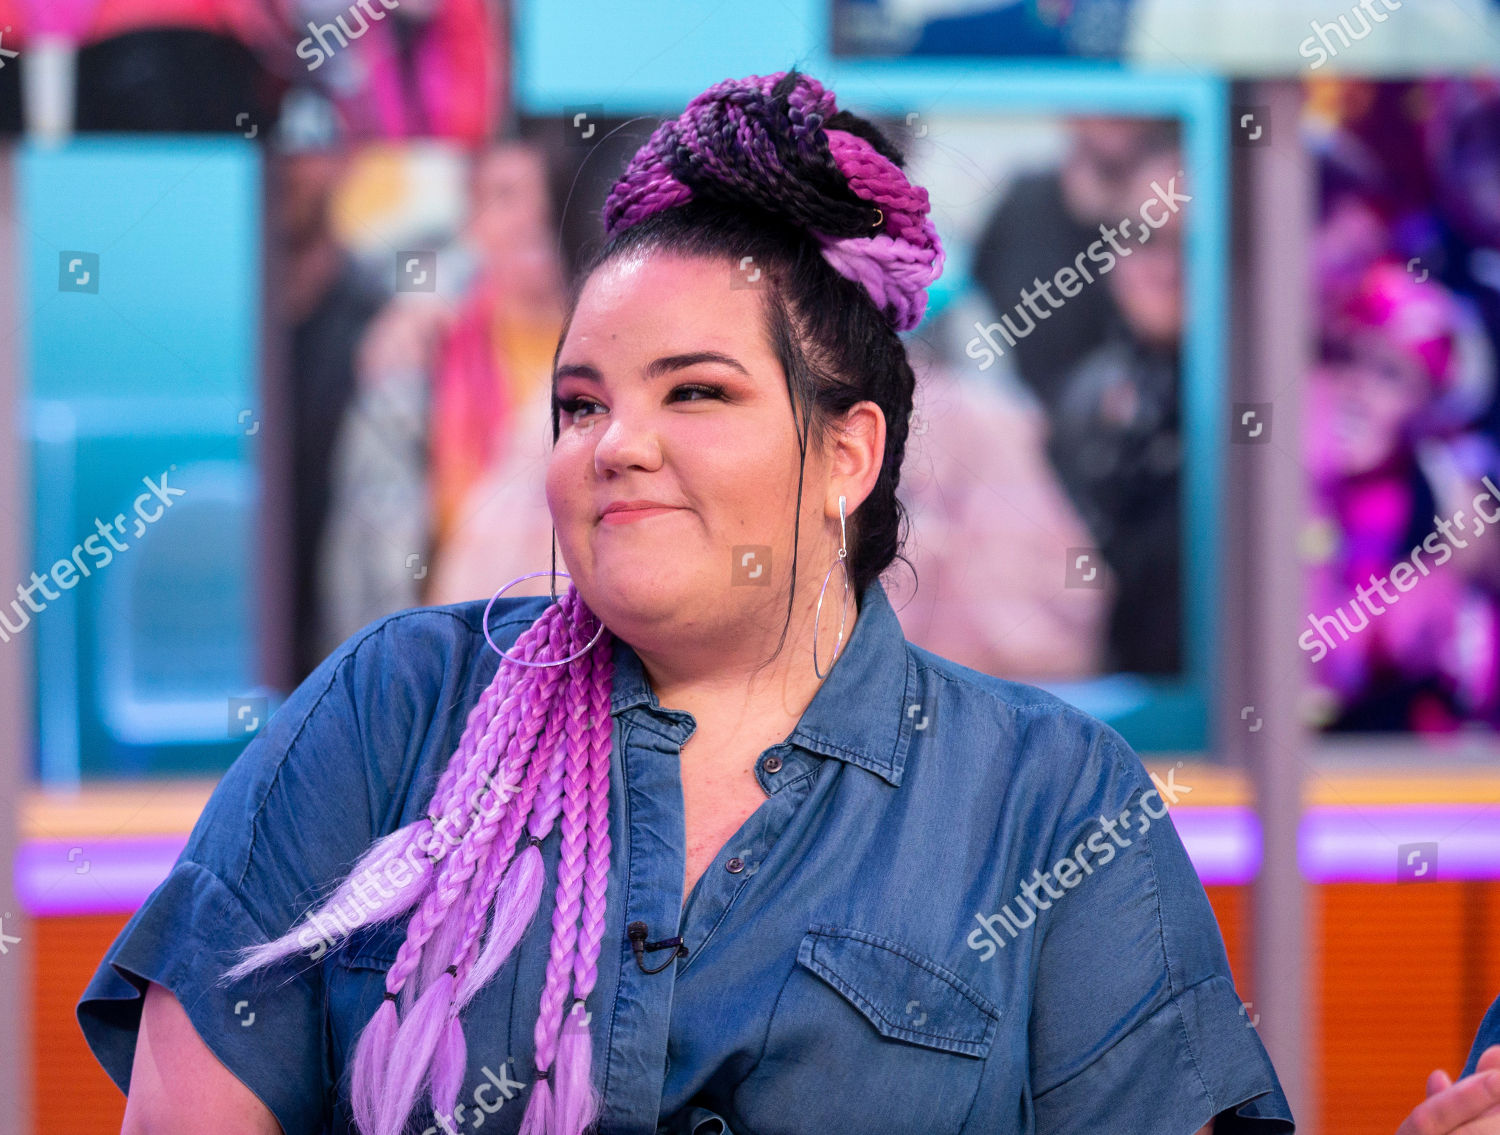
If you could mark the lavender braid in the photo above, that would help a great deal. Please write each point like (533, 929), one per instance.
(535, 747)
(774, 141)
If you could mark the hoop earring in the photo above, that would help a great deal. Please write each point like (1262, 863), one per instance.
(520, 661)
(840, 562)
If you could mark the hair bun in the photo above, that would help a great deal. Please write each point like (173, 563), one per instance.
(778, 142)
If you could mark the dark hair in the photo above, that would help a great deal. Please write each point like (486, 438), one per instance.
(834, 346)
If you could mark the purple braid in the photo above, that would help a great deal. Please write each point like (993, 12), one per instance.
(495, 838)
(518, 757)
(408, 1061)
(538, 818)
(494, 748)
(480, 744)
(503, 690)
(577, 1102)
(540, 803)
(504, 827)
(596, 874)
(323, 922)
(767, 140)
(579, 710)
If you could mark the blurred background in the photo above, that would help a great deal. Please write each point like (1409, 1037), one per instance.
(1206, 438)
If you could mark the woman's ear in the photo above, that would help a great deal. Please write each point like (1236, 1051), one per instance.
(856, 455)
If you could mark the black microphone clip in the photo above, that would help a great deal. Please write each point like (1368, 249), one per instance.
(637, 932)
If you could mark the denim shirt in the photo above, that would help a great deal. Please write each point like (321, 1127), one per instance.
(953, 912)
(1489, 1033)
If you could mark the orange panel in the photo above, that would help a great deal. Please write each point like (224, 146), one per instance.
(1231, 907)
(1391, 979)
(1485, 913)
(71, 1093)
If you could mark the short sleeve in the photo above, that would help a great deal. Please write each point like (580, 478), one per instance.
(330, 771)
(1136, 1026)
(1489, 1033)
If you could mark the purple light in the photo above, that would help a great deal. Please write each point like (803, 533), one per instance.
(92, 876)
(1372, 843)
(1223, 842)
(118, 875)
(1336, 845)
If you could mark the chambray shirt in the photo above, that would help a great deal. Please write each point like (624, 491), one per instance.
(1489, 1033)
(836, 975)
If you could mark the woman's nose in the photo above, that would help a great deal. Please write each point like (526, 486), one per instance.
(628, 440)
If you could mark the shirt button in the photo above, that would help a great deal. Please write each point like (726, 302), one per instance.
(735, 865)
(773, 764)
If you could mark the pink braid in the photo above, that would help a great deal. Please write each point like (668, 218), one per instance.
(539, 1116)
(419, 1034)
(524, 775)
(494, 841)
(880, 181)
(653, 190)
(596, 875)
(577, 1102)
(740, 138)
(897, 266)
(406, 1059)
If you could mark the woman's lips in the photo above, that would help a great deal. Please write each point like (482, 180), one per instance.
(626, 515)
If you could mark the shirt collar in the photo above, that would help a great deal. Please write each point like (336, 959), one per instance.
(859, 713)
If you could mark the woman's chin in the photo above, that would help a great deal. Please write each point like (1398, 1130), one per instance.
(638, 587)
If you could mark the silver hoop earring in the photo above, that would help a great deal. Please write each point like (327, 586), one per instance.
(840, 562)
(521, 661)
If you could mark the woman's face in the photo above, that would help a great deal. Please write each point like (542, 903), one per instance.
(670, 393)
(1350, 239)
(510, 221)
(1362, 404)
(1147, 284)
(1100, 162)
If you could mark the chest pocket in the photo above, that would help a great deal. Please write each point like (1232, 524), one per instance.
(868, 1035)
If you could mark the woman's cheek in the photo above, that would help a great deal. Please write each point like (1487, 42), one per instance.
(565, 491)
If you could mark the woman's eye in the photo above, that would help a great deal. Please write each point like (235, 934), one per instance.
(572, 408)
(709, 391)
(579, 407)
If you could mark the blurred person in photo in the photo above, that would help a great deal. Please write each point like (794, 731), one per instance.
(1393, 459)
(440, 386)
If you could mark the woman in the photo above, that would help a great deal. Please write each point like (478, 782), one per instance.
(440, 394)
(839, 808)
(1390, 454)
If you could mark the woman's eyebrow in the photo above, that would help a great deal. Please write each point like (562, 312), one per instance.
(656, 367)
